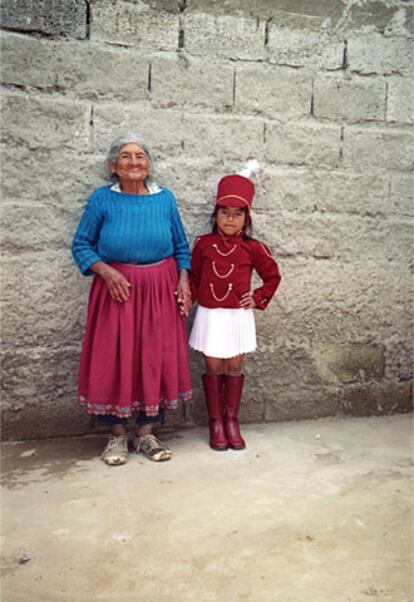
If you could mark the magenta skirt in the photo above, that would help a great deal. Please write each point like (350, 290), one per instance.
(135, 354)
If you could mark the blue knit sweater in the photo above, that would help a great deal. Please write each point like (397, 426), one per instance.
(142, 228)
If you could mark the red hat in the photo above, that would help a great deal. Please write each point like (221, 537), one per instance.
(235, 191)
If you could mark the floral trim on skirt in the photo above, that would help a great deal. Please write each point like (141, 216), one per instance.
(135, 354)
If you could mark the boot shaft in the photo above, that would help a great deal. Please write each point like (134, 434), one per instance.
(213, 390)
(233, 387)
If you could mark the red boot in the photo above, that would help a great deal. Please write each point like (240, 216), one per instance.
(213, 389)
(233, 386)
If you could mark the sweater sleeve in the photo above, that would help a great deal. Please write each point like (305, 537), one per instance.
(268, 270)
(181, 250)
(86, 236)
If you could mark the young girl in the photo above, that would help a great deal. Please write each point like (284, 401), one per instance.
(224, 325)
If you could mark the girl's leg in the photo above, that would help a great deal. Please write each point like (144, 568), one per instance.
(213, 390)
(233, 386)
(233, 365)
(214, 365)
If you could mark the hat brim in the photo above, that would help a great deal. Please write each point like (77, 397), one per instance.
(232, 202)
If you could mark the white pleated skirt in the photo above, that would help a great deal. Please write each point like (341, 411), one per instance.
(223, 332)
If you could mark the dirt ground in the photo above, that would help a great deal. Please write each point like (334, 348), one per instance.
(315, 511)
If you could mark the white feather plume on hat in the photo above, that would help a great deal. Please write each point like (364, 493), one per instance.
(251, 168)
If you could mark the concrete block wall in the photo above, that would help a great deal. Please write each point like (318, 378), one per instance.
(321, 92)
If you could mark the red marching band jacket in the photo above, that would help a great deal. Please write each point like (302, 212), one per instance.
(221, 271)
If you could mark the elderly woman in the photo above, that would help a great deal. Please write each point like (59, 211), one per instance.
(134, 358)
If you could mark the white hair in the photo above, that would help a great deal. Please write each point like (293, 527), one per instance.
(116, 147)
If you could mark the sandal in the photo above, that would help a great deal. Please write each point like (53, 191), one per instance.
(116, 451)
(152, 448)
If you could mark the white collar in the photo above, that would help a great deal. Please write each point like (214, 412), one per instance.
(153, 188)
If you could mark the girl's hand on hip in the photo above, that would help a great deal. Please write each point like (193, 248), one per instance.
(117, 284)
(247, 301)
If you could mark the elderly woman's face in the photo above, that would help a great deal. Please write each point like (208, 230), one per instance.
(131, 165)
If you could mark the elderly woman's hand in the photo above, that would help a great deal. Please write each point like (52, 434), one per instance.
(183, 293)
(116, 282)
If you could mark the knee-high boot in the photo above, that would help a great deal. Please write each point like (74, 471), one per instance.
(213, 389)
(233, 387)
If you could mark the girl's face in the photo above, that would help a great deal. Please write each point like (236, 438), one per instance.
(230, 220)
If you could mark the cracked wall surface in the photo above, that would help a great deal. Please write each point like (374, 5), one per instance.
(320, 92)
